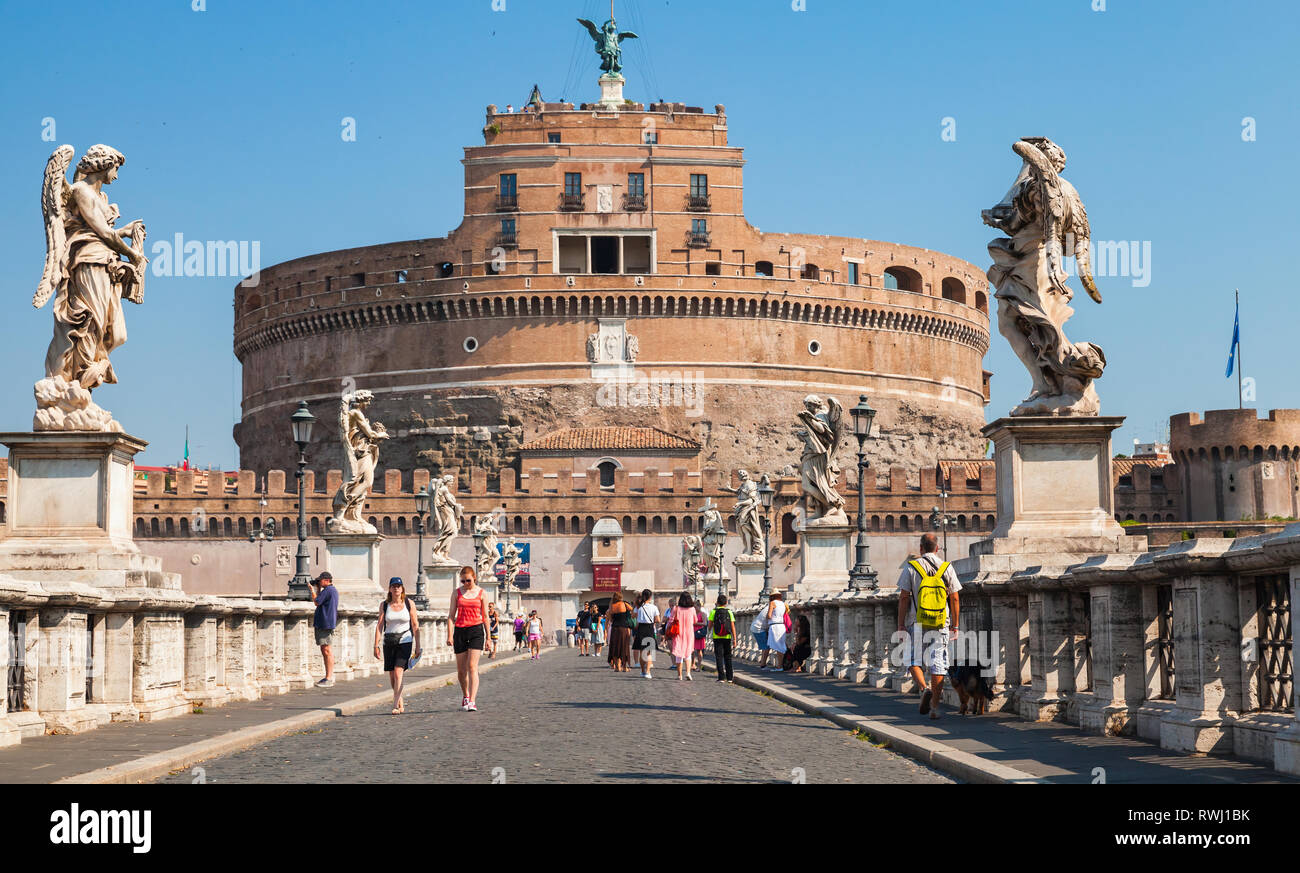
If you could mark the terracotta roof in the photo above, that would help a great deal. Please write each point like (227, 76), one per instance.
(611, 439)
(1124, 466)
(968, 469)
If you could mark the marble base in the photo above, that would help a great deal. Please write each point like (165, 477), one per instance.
(749, 579)
(353, 560)
(611, 91)
(1041, 707)
(825, 556)
(1286, 750)
(1105, 717)
(441, 579)
(1192, 732)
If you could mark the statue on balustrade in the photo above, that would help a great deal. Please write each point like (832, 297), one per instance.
(361, 442)
(748, 514)
(691, 560)
(445, 516)
(485, 538)
(713, 535)
(1044, 220)
(91, 266)
(817, 470)
(511, 556)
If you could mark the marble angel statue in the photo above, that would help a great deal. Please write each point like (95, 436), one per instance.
(817, 470)
(485, 556)
(445, 516)
(748, 513)
(90, 267)
(1045, 221)
(361, 442)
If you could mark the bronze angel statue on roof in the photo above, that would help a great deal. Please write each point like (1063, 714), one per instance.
(608, 44)
(87, 276)
(1044, 220)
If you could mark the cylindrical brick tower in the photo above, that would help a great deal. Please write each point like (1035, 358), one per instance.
(1237, 466)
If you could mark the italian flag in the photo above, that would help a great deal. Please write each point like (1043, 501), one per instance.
(185, 464)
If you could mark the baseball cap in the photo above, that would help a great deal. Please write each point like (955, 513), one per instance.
(396, 580)
(325, 575)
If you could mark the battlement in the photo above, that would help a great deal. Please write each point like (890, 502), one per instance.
(1236, 431)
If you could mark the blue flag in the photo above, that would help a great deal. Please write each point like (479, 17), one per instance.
(1236, 341)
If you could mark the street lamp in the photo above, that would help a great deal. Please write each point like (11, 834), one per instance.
(863, 576)
(264, 534)
(941, 520)
(765, 494)
(301, 421)
(421, 510)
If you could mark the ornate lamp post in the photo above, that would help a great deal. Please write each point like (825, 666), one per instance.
(863, 576)
(301, 421)
(765, 494)
(421, 510)
(264, 534)
(941, 520)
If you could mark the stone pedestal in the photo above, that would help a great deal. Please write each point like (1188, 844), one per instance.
(441, 579)
(1208, 680)
(611, 91)
(70, 510)
(354, 562)
(1286, 750)
(825, 558)
(1118, 683)
(749, 578)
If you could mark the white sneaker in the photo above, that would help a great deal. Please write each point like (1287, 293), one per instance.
(325, 683)
(464, 704)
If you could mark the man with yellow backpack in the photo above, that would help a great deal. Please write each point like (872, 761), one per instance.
(928, 614)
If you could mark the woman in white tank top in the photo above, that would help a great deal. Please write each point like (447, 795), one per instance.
(399, 630)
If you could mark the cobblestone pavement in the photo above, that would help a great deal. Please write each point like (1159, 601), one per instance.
(568, 719)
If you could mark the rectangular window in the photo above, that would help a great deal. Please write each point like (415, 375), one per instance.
(508, 185)
(508, 227)
(652, 137)
(553, 138)
(700, 226)
(853, 273)
(699, 185)
(572, 184)
(636, 184)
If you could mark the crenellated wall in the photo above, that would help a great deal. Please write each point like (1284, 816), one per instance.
(1236, 466)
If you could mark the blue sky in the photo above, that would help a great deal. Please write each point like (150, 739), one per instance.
(230, 119)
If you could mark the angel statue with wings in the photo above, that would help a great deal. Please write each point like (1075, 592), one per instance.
(817, 470)
(445, 516)
(361, 455)
(608, 44)
(1045, 221)
(86, 275)
(692, 557)
(485, 540)
(748, 514)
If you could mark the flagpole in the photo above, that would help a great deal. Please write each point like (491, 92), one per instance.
(1241, 404)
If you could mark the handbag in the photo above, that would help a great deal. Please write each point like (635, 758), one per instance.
(673, 629)
(786, 619)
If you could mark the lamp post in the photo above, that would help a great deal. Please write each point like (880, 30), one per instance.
(765, 494)
(941, 520)
(264, 534)
(421, 510)
(301, 422)
(863, 576)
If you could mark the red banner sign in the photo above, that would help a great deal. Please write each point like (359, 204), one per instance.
(608, 577)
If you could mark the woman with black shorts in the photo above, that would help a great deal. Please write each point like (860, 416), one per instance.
(467, 634)
(401, 631)
(647, 618)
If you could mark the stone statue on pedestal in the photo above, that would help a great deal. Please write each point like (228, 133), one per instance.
(713, 535)
(485, 558)
(445, 515)
(817, 470)
(748, 513)
(1044, 219)
(86, 275)
(691, 558)
(361, 455)
(608, 44)
(510, 556)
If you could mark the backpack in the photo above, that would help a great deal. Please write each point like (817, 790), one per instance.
(722, 622)
(931, 596)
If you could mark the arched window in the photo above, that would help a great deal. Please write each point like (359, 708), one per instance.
(657, 525)
(903, 279)
(607, 469)
(764, 268)
(954, 290)
(982, 302)
(811, 271)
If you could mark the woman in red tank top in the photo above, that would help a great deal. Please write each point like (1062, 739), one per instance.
(467, 634)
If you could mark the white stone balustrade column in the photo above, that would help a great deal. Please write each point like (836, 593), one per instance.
(300, 650)
(204, 669)
(815, 637)
(1051, 650)
(883, 670)
(864, 638)
(270, 648)
(60, 665)
(845, 635)
(241, 650)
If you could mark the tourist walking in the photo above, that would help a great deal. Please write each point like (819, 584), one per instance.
(582, 629)
(701, 634)
(494, 629)
(636, 651)
(928, 614)
(778, 622)
(399, 628)
(722, 624)
(758, 630)
(622, 621)
(520, 621)
(467, 634)
(535, 635)
(647, 618)
(680, 634)
(597, 630)
(325, 619)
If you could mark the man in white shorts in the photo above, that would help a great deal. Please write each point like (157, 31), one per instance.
(927, 650)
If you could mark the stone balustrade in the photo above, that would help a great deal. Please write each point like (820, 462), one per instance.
(76, 656)
(1189, 646)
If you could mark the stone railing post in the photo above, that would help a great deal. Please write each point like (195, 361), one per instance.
(1051, 649)
(158, 654)
(816, 638)
(885, 618)
(204, 667)
(300, 651)
(864, 635)
(846, 657)
(241, 649)
(1117, 642)
(60, 665)
(270, 648)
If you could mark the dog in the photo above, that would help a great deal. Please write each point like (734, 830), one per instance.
(973, 688)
